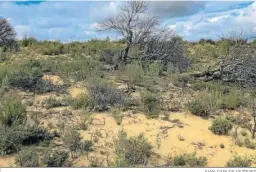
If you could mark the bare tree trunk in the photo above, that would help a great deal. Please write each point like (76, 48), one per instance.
(254, 122)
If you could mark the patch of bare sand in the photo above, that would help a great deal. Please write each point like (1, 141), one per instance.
(163, 135)
(77, 91)
(54, 79)
(7, 161)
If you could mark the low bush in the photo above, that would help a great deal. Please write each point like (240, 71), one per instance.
(12, 111)
(55, 158)
(52, 102)
(151, 103)
(189, 160)
(205, 104)
(239, 161)
(134, 73)
(197, 107)
(12, 138)
(102, 96)
(80, 102)
(249, 144)
(134, 150)
(221, 126)
(27, 158)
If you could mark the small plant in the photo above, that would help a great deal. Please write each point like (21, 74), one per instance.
(86, 146)
(244, 133)
(189, 160)
(222, 146)
(221, 126)
(102, 96)
(52, 102)
(72, 139)
(197, 107)
(27, 158)
(133, 150)
(55, 158)
(249, 144)
(117, 115)
(80, 102)
(134, 73)
(151, 103)
(239, 161)
(181, 138)
(12, 111)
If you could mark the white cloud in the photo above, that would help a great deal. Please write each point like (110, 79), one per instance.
(215, 19)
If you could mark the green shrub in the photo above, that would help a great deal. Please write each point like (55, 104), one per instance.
(154, 69)
(180, 80)
(52, 102)
(27, 158)
(134, 73)
(205, 104)
(12, 138)
(189, 160)
(80, 102)
(81, 69)
(151, 103)
(102, 96)
(27, 42)
(71, 139)
(197, 107)
(133, 150)
(222, 146)
(249, 144)
(12, 111)
(221, 126)
(233, 100)
(55, 158)
(26, 75)
(86, 146)
(239, 161)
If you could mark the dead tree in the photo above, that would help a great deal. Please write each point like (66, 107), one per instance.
(166, 47)
(132, 23)
(7, 33)
(253, 128)
(237, 66)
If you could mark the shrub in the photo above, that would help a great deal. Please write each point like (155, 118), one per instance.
(81, 69)
(12, 138)
(102, 96)
(52, 102)
(80, 102)
(26, 42)
(27, 75)
(133, 150)
(55, 158)
(232, 100)
(239, 161)
(35, 134)
(71, 139)
(221, 126)
(12, 111)
(189, 160)
(151, 103)
(134, 73)
(27, 158)
(86, 146)
(197, 107)
(222, 146)
(205, 104)
(180, 80)
(249, 144)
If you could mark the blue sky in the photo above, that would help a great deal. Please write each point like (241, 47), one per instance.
(75, 21)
